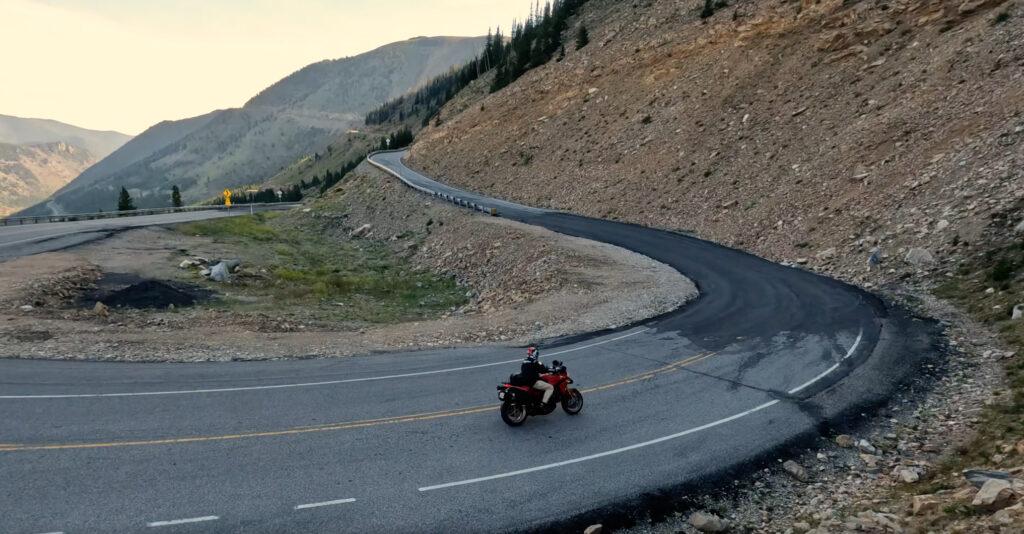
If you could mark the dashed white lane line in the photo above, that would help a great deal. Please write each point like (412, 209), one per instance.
(182, 521)
(325, 503)
(830, 369)
(648, 443)
(310, 384)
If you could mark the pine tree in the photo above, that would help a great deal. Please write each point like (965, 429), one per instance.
(124, 201)
(709, 9)
(582, 37)
(176, 197)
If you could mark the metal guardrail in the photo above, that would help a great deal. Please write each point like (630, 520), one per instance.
(72, 217)
(489, 210)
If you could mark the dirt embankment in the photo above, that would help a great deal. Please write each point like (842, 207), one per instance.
(804, 132)
(521, 284)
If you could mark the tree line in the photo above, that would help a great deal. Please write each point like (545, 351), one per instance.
(531, 44)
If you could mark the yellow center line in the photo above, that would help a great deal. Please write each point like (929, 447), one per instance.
(329, 427)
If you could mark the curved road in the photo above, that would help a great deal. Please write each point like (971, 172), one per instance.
(412, 442)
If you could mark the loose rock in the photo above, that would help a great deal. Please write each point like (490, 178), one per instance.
(996, 494)
(919, 257)
(706, 522)
(796, 470)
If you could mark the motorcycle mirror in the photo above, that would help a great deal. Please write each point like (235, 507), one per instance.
(556, 363)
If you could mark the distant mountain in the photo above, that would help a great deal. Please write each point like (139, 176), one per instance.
(299, 115)
(39, 156)
(30, 173)
(19, 131)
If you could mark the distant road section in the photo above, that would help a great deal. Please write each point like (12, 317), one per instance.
(27, 239)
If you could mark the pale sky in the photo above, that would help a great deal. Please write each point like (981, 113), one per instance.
(127, 64)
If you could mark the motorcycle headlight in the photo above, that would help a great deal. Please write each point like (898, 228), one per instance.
(501, 395)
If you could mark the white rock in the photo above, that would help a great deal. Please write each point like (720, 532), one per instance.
(706, 522)
(919, 257)
(909, 476)
(593, 529)
(25, 308)
(995, 494)
(1018, 312)
(361, 231)
(185, 264)
(866, 446)
(220, 272)
(1019, 228)
(942, 225)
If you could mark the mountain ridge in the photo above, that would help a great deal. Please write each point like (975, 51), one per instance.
(298, 115)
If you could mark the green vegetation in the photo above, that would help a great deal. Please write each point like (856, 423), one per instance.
(582, 37)
(176, 197)
(531, 44)
(1002, 422)
(290, 266)
(124, 201)
(250, 228)
(400, 139)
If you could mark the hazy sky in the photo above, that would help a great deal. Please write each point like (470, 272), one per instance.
(127, 64)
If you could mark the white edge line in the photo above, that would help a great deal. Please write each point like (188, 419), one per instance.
(325, 503)
(306, 384)
(605, 453)
(830, 369)
(182, 521)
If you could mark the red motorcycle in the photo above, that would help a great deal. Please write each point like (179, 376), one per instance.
(521, 400)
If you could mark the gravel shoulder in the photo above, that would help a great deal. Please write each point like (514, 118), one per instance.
(522, 284)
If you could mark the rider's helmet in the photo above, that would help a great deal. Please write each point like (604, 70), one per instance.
(532, 354)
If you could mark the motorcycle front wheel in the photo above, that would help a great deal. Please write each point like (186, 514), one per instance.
(513, 414)
(573, 403)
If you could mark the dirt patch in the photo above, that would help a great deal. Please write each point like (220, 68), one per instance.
(517, 284)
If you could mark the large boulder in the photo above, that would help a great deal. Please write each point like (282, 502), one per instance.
(995, 494)
(220, 272)
(920, 258)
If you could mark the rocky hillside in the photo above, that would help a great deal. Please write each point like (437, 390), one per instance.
(822, 134)
(296, 116)
(38, 156)
(28, 173)
(806, 132)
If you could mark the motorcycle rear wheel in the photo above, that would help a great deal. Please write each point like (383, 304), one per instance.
(573, 403)
(513, 414)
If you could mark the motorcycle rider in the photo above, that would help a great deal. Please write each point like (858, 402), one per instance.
(530, 373)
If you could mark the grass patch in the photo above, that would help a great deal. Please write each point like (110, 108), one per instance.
(291, 269)
(250, 227)
(1002, 423)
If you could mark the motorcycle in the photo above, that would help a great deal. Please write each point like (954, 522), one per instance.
(518, 401)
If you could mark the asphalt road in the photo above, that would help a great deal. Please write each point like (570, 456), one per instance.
(412, 442)
(26, 239)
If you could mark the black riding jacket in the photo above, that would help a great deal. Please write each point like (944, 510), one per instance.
(531, 371)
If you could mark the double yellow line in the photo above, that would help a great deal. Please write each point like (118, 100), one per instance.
(330, 427)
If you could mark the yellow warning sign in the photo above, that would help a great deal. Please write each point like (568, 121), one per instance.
(227, 197)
